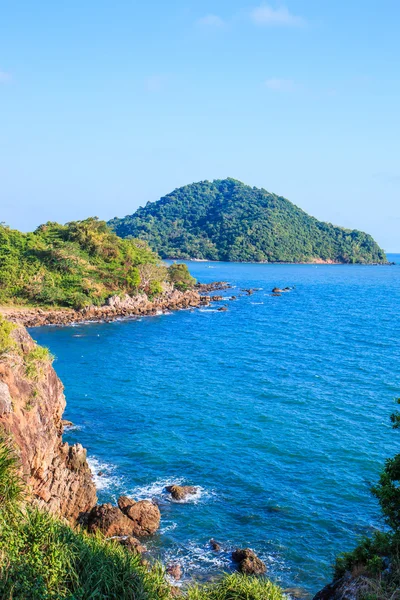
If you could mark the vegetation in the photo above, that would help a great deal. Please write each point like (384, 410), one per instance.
(6, 341)
(76, 265)
(42, 558)
(227, 220)
(378, 557)
(36, 361)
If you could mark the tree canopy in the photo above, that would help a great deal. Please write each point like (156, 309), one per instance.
(230, 221)
(77, 264)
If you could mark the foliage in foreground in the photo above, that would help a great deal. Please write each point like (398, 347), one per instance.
(228, 220)
(237, 587)
(75, 265)
(378, 557)
(42, 558)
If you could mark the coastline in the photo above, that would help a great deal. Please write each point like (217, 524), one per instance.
(117, 307)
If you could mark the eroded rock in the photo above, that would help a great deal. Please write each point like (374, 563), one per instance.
(174, 571)
(248, 562)
(145, 517)
(110, 520)
(180, 492)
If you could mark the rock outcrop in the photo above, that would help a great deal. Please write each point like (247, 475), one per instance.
(181, 492)
(116, 306)
(129, 518)
(31, 406)
(248, 562)
(348, 587)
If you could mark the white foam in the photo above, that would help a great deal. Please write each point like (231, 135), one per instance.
(108, 478)
(73, 427)
(157, 490)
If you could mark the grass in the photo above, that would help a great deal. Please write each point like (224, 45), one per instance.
(237, 587)
(35, 362)
(6, 341)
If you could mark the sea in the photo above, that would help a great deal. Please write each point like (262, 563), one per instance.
(277, 409)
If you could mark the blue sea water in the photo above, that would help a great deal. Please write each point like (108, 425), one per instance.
(278, 409)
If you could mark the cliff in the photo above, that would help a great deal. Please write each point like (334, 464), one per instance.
(31, 407)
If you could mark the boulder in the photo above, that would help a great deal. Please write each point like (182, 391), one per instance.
(124, 503)
(110, 520)
(175, 571)
(5, 399)
(132, 544)
(145, 517)
(248, 562)
(215, 545)
(180, 492)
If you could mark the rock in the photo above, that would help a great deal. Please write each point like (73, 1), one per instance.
(145, 517)
(133, 544)
(346, 588)
(248, 562)
(180, 492)
(222, 309)
(57, 474)
(5, 399)
(215, 545)
(66, 423)
(110, 520)
(175, 571)
(277, 290)
(175, 591)
(124, 503)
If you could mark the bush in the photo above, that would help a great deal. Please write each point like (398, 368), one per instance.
(179, 275)
(35, 361)
(6, 341)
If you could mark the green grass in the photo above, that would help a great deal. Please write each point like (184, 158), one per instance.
(6, 341)
(35, 362)
(237, 587)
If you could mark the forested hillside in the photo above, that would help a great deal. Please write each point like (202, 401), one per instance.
(227, 220)
(77, 264)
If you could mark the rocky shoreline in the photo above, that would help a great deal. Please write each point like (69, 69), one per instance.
(116, 307)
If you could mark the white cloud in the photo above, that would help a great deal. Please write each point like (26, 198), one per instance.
(275, 17)
(4, 77)
(211, 21)
(280, 85)
(155, 83)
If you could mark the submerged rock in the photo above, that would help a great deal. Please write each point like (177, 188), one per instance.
(175, 571)
(248, 562)
(180, 492)
(133, 544)
(215, 545)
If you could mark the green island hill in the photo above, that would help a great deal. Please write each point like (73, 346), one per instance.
(226, 220)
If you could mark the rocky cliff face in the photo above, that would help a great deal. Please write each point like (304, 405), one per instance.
(31, 406)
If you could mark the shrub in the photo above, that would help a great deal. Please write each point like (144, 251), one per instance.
(179, 275)
(35, 362)
(6, 341)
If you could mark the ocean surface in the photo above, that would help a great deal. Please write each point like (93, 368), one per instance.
(278, 409)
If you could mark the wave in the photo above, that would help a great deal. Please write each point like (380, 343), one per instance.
(103, 474)
(157, 491)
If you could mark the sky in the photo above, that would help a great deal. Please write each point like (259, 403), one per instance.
(107, 105)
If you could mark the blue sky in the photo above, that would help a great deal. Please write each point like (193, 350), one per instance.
(106, 105)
